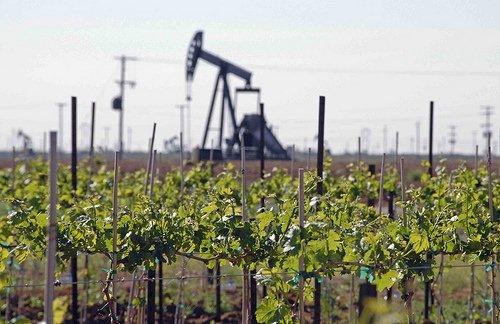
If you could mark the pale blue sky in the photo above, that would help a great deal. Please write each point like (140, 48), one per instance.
(50, 50)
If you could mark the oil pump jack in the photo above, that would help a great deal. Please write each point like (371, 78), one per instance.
(250, 123)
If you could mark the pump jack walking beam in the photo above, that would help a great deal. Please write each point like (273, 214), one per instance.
(195, 52)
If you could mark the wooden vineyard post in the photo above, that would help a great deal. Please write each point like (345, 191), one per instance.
(292, 162)
(301, 257)
(159, 274)
(472, 268)
(179, 316)
(440, 315)
(352, 282)
(52, 232)
(319, 190)
(116, 180)
(244, 218)
(494, 297)
(151, 272)
(86, 285)
(160, 263)
(427, 285)
(381, 188)
(150, 156)
(402, 180)
(74, 259)
(153, 174)
(407, 289)
(359, 151)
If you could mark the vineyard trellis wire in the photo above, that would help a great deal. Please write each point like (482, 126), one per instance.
(58, 283)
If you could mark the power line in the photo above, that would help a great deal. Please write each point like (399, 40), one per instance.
(450, 73)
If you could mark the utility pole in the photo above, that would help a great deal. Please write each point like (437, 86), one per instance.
(453, 138)
(119, 104)
(487, 111)
(417, 138)
(61, 138)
